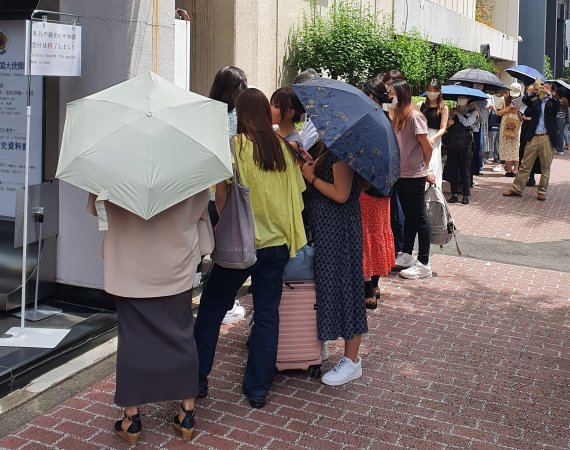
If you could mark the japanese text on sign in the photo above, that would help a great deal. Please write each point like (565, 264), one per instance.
(56, 49)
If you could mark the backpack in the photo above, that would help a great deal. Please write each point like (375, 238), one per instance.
(442, 225)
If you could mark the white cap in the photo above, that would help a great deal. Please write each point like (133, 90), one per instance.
(515, 89)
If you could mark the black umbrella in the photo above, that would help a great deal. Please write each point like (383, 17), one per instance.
(490, 82)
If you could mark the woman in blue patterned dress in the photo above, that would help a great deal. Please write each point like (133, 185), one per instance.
(334, 213)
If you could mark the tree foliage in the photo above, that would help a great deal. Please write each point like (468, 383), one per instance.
(548, 72)
(352, 44)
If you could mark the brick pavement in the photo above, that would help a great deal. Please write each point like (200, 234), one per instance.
(476, 357)
(517, 219)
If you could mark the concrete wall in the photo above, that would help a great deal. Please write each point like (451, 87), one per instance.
(441, 24)
(506, 17)
(117, 45)
(463, 7)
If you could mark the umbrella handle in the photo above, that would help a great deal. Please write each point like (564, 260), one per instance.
(101, 211)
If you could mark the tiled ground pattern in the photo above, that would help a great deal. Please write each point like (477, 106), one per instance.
(474, 358)
(525, 219)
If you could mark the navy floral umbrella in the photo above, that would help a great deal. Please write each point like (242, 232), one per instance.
(354, 128)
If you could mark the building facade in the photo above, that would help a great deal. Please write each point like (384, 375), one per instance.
(253, 35)
(543, 30)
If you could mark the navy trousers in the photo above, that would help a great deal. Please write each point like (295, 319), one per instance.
(218, 297)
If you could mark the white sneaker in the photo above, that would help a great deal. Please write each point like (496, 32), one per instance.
(343, 372)
(405, 260)
(559, 153)
(234, 314)
(417, 271)
(497, 169)
(324, 351)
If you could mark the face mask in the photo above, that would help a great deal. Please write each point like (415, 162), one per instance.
(432, 95)
(462, 101)
(393, 103)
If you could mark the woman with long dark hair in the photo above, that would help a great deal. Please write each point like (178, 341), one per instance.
(436, 113)
(228, 83)
(378, 255)
(415, 153)
(266, 163)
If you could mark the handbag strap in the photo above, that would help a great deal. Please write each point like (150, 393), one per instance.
(237, 178)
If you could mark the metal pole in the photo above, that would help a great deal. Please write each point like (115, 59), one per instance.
(27, 164)
(26, 179)
(38, 268)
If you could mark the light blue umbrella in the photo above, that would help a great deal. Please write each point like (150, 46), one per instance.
(526, 74)
(354, 128)
(452, 91)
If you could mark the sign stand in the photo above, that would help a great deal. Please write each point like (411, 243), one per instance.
(36, 314)
(22, 336)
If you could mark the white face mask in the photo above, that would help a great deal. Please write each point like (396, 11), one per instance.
(393, 103)
(462, 101)
(432, 95)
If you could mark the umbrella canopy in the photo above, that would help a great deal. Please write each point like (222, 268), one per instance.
(560, 83)
(491, 82)
(353, 128)
(144, 145)
(452, 91)
(526, 74)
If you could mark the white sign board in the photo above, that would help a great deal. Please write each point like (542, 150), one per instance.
(56, 49)
(13, 100)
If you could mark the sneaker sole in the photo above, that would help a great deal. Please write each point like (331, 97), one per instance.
(340, 383)
(415, 277)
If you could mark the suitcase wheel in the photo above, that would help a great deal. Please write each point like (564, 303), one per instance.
(315, 371)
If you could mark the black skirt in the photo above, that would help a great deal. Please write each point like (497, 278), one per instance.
(157, 359)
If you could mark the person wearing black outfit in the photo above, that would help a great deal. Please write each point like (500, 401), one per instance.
(459, 144)
(542, 137)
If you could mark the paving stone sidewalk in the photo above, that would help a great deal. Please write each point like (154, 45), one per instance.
(476, 357)
(525, 219)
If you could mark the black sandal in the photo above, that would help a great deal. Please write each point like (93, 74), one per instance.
(133, 433)
(371, 303)
(186, 427)
(377, 293)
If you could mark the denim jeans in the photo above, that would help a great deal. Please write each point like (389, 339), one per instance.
(218, 297)
(411, 192)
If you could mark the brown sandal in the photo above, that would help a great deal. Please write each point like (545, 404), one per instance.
(541, 197)
(371, 303)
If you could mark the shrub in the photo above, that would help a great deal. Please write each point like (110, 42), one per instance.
(352, 44)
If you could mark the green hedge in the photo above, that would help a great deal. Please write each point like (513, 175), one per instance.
(353, 44)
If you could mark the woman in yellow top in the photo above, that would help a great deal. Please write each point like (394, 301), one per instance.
(266, 164)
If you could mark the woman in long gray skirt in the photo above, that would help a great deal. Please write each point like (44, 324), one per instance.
(149, 267)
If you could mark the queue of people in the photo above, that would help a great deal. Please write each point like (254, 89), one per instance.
(299, 189)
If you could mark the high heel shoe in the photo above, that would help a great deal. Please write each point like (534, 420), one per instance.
(133, 433)
(186, 427)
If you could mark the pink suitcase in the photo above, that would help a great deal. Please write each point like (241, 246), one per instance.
(299, 346)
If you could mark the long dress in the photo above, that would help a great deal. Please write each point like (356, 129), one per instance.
(339, 281)
(378, 256)
(508, 147)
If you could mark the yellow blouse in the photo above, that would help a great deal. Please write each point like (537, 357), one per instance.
(275, 198)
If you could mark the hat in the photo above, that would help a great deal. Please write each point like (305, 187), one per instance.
(515, 89)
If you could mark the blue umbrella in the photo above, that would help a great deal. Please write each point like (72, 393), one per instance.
(452, 91)
(526, 74)
(353, 128)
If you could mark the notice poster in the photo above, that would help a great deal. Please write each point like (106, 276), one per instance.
(56, 49)
(13, 100)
